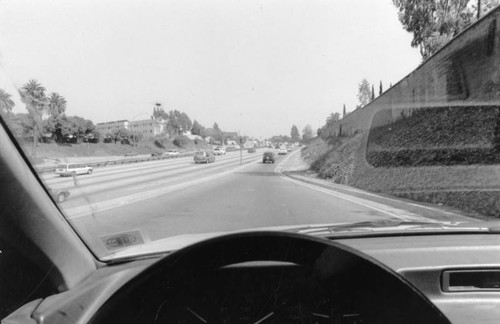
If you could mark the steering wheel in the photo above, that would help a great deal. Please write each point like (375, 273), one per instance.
(395, 299)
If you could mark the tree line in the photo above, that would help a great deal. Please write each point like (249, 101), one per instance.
(46, 120)
(45, 117)
(177, 122)
(307, 133)
(434, 22)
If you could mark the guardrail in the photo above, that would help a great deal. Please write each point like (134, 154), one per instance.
(128, 160)
(120, 161)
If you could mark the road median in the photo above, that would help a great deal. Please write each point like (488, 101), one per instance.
(109, 162)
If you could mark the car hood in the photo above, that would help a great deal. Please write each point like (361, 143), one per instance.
(176, 242)
(337, 230)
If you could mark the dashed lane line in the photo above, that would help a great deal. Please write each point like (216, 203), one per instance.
(92, 209)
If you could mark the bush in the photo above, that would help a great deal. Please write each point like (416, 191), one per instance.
(160, 141)
(432, 157)
(437, 136)
(439, 127)
(181, 141)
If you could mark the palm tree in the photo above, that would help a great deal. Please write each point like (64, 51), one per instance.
(6, 103)
(56, 104)
(33, 94)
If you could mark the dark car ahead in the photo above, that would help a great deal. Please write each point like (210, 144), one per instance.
(204, 157)
(252, 150)
(268, 157)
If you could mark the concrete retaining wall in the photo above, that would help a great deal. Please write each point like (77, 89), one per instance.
(465, 72)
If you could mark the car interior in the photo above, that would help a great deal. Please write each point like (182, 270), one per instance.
(49, 274)
(276, 276)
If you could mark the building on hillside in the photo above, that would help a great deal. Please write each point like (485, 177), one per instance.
(110, 127)
(146, 127)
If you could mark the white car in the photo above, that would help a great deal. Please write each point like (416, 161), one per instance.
(219, 151)
(71, 169)
(282, 151)
(172, 153)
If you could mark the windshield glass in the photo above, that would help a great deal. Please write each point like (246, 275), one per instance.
(374, 113)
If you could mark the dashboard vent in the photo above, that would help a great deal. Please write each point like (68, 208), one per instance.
(471, 280)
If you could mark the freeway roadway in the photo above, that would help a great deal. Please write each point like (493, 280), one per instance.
(171, 197)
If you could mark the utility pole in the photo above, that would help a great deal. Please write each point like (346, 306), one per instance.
(478, 9)
(241, 150)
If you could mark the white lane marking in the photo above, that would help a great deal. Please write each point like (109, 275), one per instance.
(355, 190)
(143, 169)
(385, 209)
(196, 315)
(393, 212)
(264, 318)
(279, 167)
(137, 182)
(347, 188)
(86, 210)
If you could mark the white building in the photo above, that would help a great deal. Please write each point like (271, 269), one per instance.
(109, 127)
(146, 127)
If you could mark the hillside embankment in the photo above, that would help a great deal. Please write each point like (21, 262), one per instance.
(53, 153)
(447, 156)
(434, 136)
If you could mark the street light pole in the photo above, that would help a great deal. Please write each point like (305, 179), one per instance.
(241, 150)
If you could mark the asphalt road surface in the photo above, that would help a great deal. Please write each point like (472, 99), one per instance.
(172, 197)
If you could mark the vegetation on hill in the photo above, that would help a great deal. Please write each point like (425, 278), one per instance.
(50, 151)
(47, 133)
(444, 156)
(333, 160)
(437, 136)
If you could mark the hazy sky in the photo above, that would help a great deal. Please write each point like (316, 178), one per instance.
(252, 66)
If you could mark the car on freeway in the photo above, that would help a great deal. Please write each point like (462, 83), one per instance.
(59, 195)
(172, 153)
(218, 150)
(289, 148)
(72, 169)
(391, 215)
(282, 150)
(268, 157)
(205, 156)
(156, 154)
(252, 150)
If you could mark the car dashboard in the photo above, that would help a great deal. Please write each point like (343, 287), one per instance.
(281, 291)
(264, 293)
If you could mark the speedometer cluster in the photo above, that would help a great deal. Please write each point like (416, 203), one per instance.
(289, 294)
(266, 277)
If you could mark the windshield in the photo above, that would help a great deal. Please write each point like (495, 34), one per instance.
(374, 113)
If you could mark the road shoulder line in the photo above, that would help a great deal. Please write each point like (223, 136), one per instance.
(366, 199)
